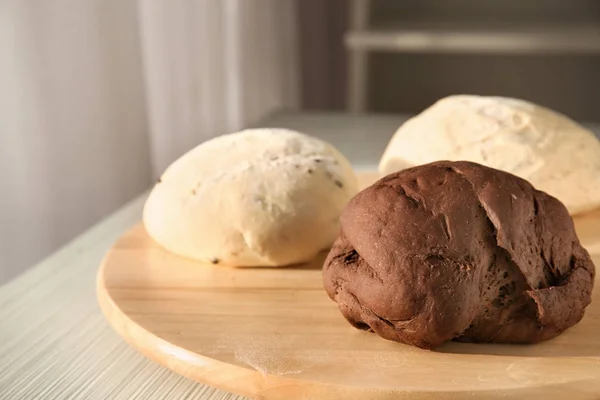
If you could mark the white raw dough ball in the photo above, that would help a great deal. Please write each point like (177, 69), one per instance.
(260, 197)
(551, 151)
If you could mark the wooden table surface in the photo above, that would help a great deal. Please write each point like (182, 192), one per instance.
(54, 341)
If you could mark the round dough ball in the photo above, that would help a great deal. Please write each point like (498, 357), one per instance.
(456, 250)
(548, 149)
(260, 197)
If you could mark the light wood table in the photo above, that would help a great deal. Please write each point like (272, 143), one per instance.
(54, 342)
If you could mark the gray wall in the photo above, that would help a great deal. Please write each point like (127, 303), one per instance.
(410, 82)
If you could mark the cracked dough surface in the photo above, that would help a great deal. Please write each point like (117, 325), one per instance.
(260, 197)
(456, 250)
(551, 151)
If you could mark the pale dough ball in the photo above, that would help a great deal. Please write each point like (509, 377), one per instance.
(546, 148)
(260, 197)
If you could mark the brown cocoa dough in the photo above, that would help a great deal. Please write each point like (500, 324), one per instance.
(456, 250)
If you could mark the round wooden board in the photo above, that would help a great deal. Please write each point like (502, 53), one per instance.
(274, 334)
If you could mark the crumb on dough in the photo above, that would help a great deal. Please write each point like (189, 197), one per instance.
(214, 260)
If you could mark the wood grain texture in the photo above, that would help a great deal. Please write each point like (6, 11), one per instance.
(274, 334)
(55, 343)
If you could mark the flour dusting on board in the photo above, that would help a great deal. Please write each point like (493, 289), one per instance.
(269, 354)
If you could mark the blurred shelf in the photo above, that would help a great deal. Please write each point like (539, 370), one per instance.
(468, 38)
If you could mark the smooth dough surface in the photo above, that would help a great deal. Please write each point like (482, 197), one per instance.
(458, 251)
(551, 151)
(260, 197)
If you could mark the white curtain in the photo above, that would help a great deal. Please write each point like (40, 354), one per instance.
(213, 67)
(98, 96)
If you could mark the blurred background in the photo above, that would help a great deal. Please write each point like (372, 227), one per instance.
(97, 97)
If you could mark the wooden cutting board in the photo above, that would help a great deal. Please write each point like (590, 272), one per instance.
(274, 334)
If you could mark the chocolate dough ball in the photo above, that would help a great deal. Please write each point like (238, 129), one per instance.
(456, 250)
